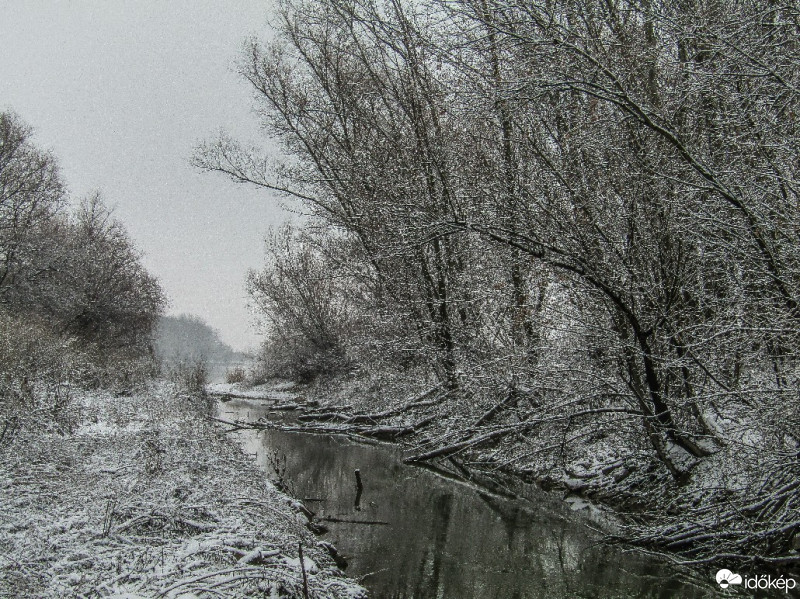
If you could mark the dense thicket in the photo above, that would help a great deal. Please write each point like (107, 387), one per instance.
(594, 205)
(76, 304)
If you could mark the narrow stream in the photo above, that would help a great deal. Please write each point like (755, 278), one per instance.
(416, 534)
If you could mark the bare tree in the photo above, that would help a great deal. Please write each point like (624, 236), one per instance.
(609, 187)
(31, 193)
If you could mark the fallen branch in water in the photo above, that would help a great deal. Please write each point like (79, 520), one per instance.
(229, 395)
(346, 521)
(383, 432)
(331, 415)
(324, 409)
(393, 432)
(475, 440)
(235, 425)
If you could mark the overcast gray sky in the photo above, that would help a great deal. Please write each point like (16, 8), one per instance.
(121, 92)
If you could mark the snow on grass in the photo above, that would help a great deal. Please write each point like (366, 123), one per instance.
(147, 499)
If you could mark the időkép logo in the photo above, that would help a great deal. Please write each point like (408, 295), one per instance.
(725, 578)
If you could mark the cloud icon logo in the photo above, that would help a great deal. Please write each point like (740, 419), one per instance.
(726, 578)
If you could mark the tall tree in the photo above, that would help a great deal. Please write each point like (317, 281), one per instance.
(31, 193)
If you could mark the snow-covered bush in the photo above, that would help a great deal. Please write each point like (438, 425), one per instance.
(310, 307)
(190, 377)
(37, 369)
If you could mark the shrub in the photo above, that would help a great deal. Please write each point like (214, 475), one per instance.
(299, 360)
(236, 375)
(190, 377)
(309, 302)
(37, 369)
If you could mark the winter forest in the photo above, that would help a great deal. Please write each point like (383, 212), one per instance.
(580, 218)
(569, 231)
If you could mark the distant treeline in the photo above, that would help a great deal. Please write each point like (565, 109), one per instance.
(189, 339)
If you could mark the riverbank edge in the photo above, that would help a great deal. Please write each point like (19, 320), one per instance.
(288, 396)
(141, 495)
(621, 502)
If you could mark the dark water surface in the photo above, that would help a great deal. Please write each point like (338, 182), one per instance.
(445, 539)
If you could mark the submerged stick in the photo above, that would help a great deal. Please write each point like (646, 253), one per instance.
(359, 489)
(359, 485)
(303, 570)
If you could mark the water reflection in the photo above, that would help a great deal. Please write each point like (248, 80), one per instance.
(444, 539)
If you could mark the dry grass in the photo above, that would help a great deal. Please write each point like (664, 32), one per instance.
(146, 498)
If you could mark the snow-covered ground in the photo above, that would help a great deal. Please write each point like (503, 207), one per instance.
(145, 498)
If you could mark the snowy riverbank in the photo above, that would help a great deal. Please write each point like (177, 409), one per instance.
(742, 480)
(140, 496)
